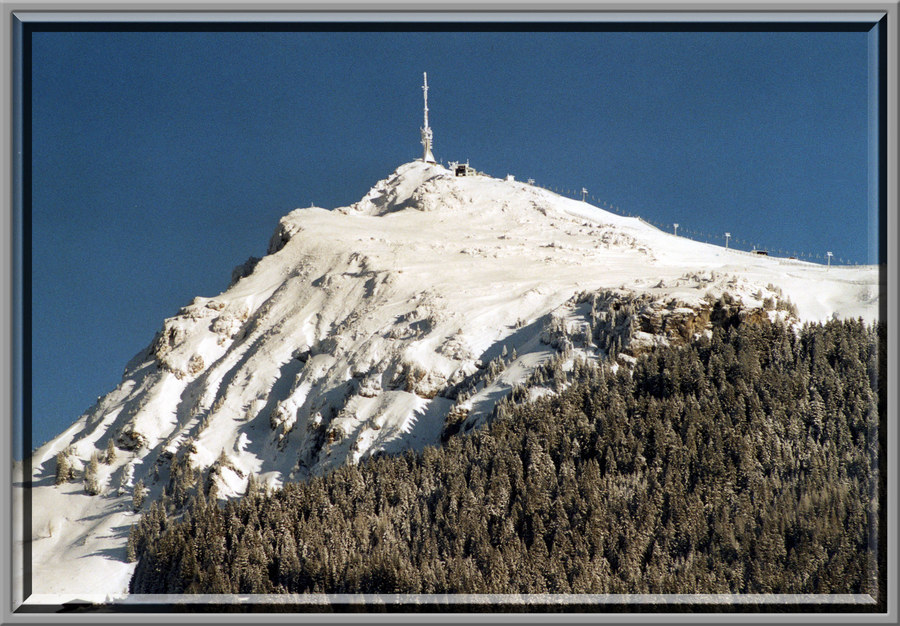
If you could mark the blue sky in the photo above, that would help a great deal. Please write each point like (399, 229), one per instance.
(162, 160)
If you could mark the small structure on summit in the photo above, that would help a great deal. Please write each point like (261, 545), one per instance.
(462, 169)
(427, 137)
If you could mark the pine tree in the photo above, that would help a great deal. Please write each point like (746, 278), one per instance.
(110, 451)
(91, 479)
(131, 546)
(64, 469)
(137, 497)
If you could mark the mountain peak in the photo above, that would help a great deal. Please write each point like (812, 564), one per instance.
(396, 191)
(365, 327)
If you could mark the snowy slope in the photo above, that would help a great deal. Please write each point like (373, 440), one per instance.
(344, 340)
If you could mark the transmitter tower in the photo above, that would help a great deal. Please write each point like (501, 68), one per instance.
(427, 137)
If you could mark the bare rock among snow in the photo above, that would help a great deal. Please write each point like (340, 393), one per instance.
(195, 365)
(285, 230)
(168, 338)
(370, 386)
(246, 268)
(131, 440)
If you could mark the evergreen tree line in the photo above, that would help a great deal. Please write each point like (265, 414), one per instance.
(744, 462)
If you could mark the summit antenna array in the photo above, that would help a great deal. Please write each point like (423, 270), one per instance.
(427, 156)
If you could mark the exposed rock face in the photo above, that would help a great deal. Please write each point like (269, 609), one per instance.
(283, 234)
(246, 268)
(637, 322)
(131, 440)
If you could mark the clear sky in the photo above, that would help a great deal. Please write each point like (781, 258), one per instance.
(162, 160)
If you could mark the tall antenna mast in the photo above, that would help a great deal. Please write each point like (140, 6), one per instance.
(427, 156)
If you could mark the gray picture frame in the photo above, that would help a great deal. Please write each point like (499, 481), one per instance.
(17, 16)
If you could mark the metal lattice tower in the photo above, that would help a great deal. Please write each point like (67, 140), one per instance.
(427, 137)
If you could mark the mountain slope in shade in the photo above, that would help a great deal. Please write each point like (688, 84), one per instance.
(363, 327)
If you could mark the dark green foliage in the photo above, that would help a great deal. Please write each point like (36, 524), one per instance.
(745, 462)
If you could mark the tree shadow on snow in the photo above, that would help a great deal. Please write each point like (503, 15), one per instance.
(117, 553)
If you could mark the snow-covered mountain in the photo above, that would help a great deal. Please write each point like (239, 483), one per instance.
(365, 326)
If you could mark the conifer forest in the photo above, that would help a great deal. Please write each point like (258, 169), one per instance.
(745, 461)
